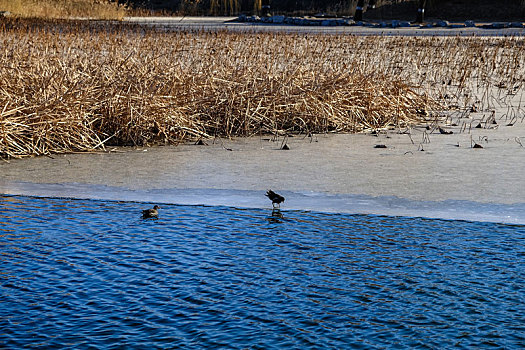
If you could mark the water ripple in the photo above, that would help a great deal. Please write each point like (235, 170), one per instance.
(80, 273)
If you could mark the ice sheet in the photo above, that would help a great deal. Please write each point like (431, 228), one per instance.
(331, 173)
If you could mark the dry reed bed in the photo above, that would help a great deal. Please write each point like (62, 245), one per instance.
(100, 9)
(80, 86)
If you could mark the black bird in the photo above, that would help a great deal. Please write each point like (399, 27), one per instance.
(151, 213)
(275, 198)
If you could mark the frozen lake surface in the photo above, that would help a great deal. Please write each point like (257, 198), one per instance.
(328, 173)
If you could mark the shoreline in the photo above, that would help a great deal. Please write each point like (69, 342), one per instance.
(313, 202)
(373, 28)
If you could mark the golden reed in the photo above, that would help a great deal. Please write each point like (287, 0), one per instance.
(77, 86)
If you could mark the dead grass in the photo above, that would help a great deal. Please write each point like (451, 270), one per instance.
(70, 87)
(95, 9)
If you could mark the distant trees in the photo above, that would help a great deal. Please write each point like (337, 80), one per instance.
(421, 11)
(227, 7)
(340, 7)
(358, 16)
(233, 7)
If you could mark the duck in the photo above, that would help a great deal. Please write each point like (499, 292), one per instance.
(151, 213)
(276, 199)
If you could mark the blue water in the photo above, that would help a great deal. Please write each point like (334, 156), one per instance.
(81, 273)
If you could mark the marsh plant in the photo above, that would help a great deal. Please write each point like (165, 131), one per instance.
(81, 86)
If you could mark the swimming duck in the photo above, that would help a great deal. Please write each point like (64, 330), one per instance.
(276, 199)
(151, 213)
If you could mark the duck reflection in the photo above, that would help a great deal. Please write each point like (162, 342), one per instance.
(276, 216)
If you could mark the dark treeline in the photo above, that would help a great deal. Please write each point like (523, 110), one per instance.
(385, 9)
(234, 7)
